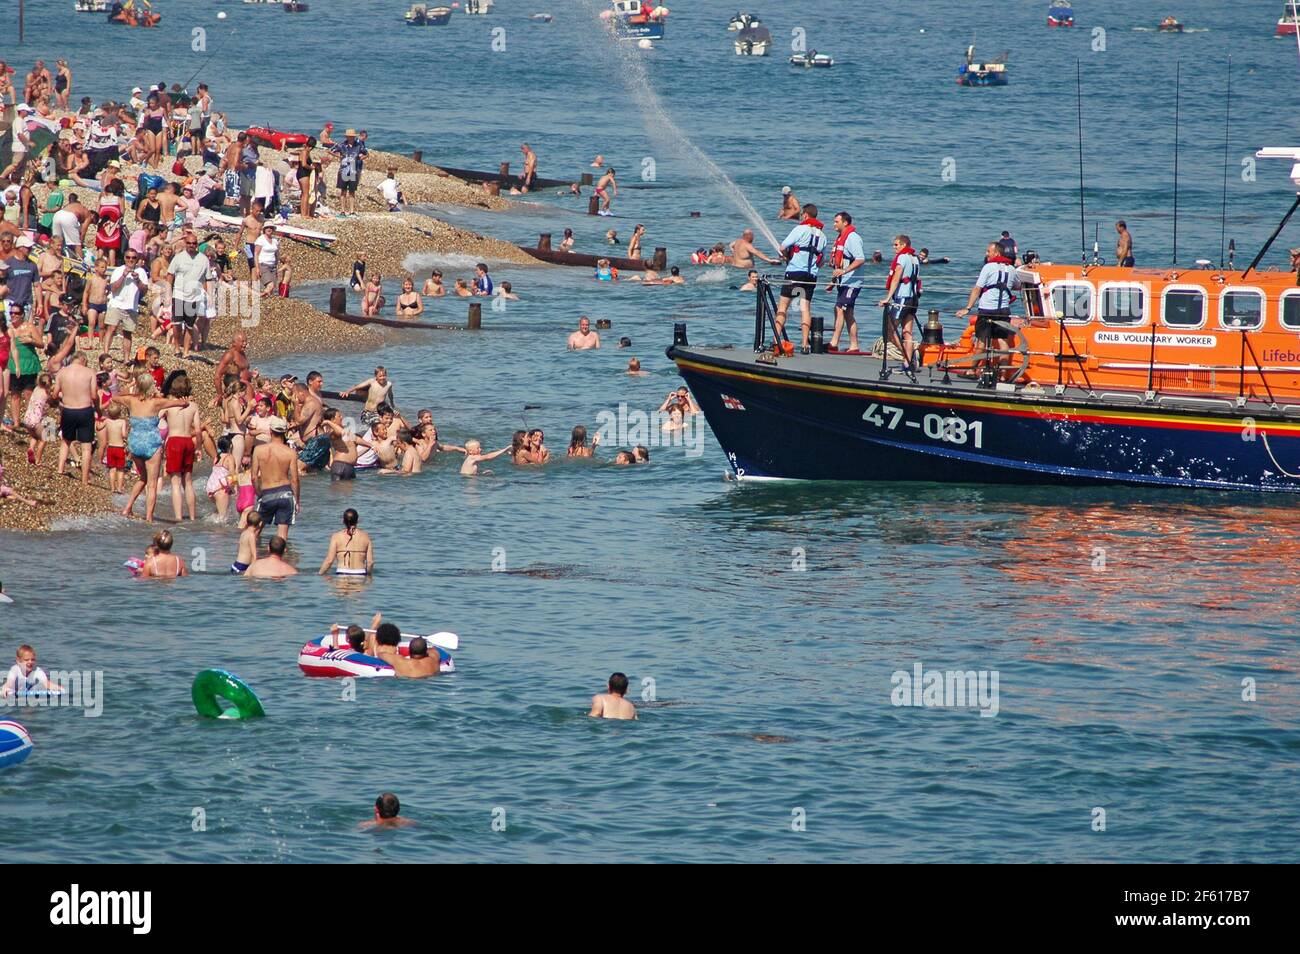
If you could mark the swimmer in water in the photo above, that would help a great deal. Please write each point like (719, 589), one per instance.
(25, 676)
(612, 704)
(273, 566)
(351, 548)
(387, 808)
(674, 277)
(624, 459)
(605, 272)
(751, 283)
(578, 446)
(584, 339)
(474, 456)
(634, 368)
(388, 637)
(163, 565)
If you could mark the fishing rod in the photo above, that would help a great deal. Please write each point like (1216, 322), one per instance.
(215, 51)
(1227, 123)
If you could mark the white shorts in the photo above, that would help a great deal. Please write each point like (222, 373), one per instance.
(65, 228)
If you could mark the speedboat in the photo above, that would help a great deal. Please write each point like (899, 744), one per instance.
(742, 21)
(992, 73)
(477, 6)
(294, 6)
(1170, 25)
(753, 41)
(541, 17)
(91, 6)
(1289, 22)
(422, 15)
(812, 58)
(1060, 14)
(636, 20)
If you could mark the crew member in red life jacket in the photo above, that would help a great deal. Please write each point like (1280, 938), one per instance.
(902, 296)
(848, 256)
(993, 292)
(803, 249)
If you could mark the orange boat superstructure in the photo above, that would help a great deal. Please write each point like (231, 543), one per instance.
(1189, 331)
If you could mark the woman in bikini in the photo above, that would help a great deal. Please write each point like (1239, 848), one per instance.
(409, 303)
(162, 564)
(305, 168)
(235, 411)
(351, 549)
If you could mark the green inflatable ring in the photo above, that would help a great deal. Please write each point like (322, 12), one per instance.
(211, 684)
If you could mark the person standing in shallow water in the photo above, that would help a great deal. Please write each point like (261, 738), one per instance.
(350, 548)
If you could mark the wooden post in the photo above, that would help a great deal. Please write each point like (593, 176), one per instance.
(338, 301)
(593, 206)
(544, 242)
(586, 179)
(475, 321)
(417, 155)
(20, 20)
(660, 260)
(505, 169)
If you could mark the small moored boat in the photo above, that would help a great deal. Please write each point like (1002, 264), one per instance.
(91, 6)
(129, 14)
(812, 58)
(481, 7)
(294, 6)
(753, 41)
(1060, 14)
(423, 15)
(1289, 22)
(1170, 25)
(636, 20)
(991, 73)
(742, 21)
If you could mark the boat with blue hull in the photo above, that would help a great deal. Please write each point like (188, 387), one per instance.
(635, 20)
(990, 73)
(1174, 377)
(1060, 15)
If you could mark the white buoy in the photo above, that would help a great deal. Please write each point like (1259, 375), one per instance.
(645, 44)
(222, 16)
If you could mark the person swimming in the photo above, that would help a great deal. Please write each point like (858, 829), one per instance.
(605, 272)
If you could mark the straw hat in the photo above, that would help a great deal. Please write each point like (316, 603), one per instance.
(349, 133)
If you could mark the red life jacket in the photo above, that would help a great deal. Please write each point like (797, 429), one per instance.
(915, 280)
(837, 254)
(812, 244)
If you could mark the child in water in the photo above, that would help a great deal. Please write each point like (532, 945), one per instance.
(605, 272)
(25, 676)
(474, 456)
(578, 446)
(111, 433)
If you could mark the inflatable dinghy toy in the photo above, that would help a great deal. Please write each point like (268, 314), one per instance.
(331, 656)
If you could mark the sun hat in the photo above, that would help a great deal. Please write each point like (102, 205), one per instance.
(349, 132)
(24, 241)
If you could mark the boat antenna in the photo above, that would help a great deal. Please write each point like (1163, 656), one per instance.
(1227, 123)
(1083, 229)
(1294, 11)
(1178, 73)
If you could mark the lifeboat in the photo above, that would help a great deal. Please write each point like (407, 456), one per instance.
(743, 21)
(1169, 25)
(1101, 375)
(1289, 22)
(1060, 15)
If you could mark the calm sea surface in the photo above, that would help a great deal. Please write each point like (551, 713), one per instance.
(1121, 624)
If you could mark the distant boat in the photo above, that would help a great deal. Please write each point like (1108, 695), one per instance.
(294, 6)
(1170, 25)
(129, 14)
(812, 58)
(477, 6)
(541, 18)
(91, 6)
(992, 73)
(1289, 22)
(1060, 15)
(753, 41)
(742, 21)
(636, 20)
(422, 15)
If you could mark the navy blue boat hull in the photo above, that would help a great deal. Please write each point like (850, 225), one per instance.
(775, 424)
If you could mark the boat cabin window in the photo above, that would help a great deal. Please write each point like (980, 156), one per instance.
(1242, 309)
(1123, 304)
(1184, 307)
(1072, 301)
(1289, 307)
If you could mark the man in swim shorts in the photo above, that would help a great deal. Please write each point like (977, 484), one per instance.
(612, 704)
(275, 474)
(77, 389)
